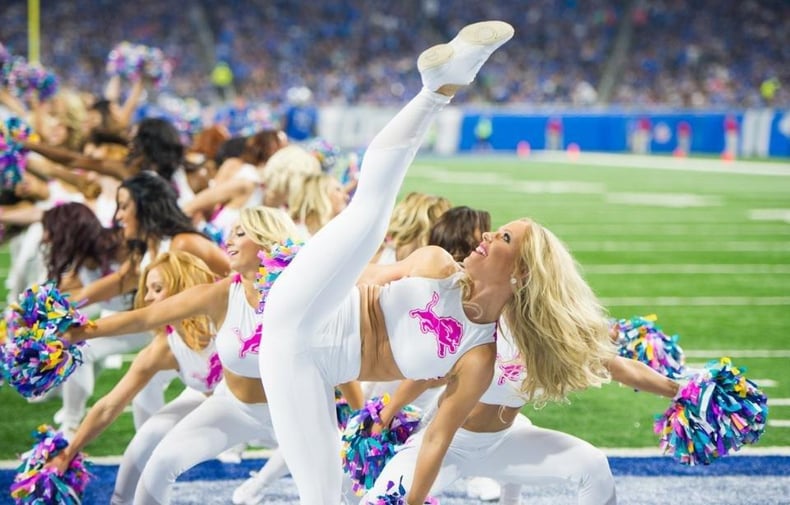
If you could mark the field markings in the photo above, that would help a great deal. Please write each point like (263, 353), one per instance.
(779, 423)
(738, 167)
(697, 301)
(738, 353)
(671, 200)
(779, 402)
(770, 215)
(676, 229)
(688, 268)
(684, 246)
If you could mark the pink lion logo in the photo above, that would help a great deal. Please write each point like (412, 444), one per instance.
(214, 371)
(448, 331)
(249, 345)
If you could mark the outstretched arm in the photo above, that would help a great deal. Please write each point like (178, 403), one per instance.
(124, 280)
(124, 115)
(471, 377)
(150, 360)
(209, 198)
(208, 299)
(113, 168)
(639, 376)
(430, 261)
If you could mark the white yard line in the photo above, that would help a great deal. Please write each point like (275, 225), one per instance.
(738, 353)
(707, 246)
(779, 423)
(667, 163)
(679, 229)
(779, 402)
(697, 301)
(688, 268)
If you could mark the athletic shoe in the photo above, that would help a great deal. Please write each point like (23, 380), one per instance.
(483, 488)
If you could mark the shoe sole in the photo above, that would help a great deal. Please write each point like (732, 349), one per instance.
(482, 34)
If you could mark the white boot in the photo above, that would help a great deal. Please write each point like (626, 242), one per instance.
(483, 488)
(458, 61)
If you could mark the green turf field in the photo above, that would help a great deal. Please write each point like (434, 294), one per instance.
(708, 251)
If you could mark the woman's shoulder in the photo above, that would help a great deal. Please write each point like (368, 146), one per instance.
(432, 262)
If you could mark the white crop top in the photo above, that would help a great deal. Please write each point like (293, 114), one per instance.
(240, 335)
(509, 373)
(427, 327)
(164, 246)
(118, 303)
(199, 370)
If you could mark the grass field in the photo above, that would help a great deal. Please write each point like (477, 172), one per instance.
(706, 247)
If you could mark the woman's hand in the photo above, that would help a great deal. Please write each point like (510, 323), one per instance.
(60, 462)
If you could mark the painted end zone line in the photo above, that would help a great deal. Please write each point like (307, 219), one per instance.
(626, 452)
(697, 301)
(738, 353)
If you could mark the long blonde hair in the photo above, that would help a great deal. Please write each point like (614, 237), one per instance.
(266, 225)
(285, 171)
(311, 200)
(181, 270)
(413, 217)
(557, 323)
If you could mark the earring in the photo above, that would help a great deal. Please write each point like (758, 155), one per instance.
(513, 280)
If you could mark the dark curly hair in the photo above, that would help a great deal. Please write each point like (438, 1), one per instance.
(454, 231)
(157, 147)
(75, 235)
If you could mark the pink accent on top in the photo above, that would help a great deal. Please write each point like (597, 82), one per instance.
(236, 278)
(448, 330)
(214, 371)
(510, 372)
(249, 345)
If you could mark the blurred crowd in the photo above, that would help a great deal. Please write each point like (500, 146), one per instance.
(720, 53)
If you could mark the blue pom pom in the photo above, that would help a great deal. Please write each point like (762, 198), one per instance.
(640, 339)
(717, 412)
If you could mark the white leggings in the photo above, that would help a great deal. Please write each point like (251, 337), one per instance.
(522, 454)
(145, 441)
(218, 423)
(295, 363)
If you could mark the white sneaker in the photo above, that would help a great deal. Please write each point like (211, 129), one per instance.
(483, 488)
(458, 61)
(248, 492)
(232, 455)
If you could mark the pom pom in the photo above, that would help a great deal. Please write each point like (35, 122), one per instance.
(342, 409)
(640, 339)
(13, 75)
(716, 412)
(273, 263)
(13, 156)
(397, 496)
(133, 61)
(364, 453)
(36, 484)
(41, 80)
(326, 153)
(213, 232)
(35, 357)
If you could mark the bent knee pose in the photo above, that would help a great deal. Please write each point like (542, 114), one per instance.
(186, 347)
(499, 442)
(237, 411)
(320, 329)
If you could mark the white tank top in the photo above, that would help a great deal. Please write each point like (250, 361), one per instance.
(118, 303)
(509, 373)
(226, 217)
(240, 335)
(427, 327)
(199, 370)
(181, 182)
(164, 246)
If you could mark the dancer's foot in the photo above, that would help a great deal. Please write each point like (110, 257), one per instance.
(446, 67)
(249, 492)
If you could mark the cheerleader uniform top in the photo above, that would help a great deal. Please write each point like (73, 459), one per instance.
(239, 336)
(226, 217)
(200, 370)
(164, 246)
(118, 303)
(509, 373)
(427, 327)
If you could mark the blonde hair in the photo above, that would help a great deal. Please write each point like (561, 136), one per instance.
(557, 323)
(413, 217)
(180, 270)
(267, 225)
(311, 200)
(285, 170)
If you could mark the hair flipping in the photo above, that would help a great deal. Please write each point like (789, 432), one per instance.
(74, 236)
(558, 325)
(181, 270)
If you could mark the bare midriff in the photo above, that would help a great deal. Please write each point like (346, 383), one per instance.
(378, 364)
(486, 418)
(246, 389)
